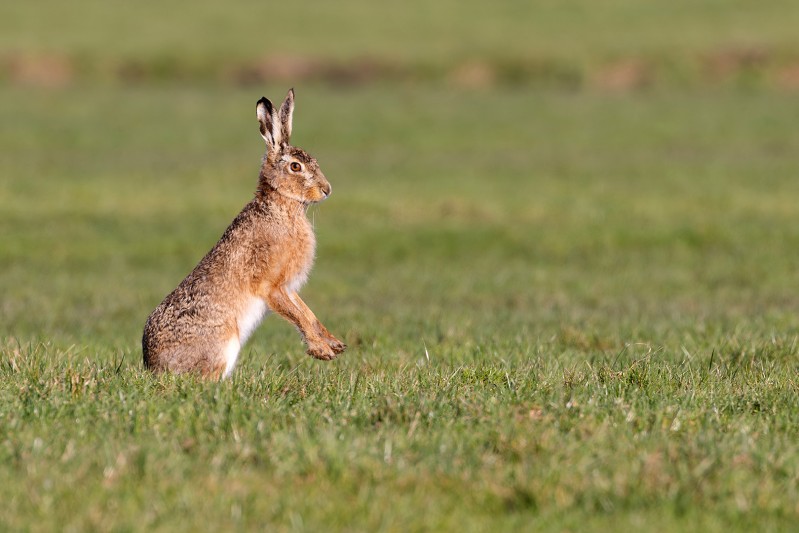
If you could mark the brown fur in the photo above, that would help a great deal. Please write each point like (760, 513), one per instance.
(263, 256)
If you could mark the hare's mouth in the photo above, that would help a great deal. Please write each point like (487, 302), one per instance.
(320, 193)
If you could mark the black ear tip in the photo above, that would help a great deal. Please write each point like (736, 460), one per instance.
(266, 103)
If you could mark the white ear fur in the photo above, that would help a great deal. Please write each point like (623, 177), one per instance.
(286, 116)
(268, 123)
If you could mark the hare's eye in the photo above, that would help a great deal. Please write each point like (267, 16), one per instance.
(295, 167)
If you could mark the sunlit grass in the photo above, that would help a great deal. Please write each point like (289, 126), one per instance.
(563, 310)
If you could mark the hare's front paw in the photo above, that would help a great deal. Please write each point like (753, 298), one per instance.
(321, 351)
(336, 345)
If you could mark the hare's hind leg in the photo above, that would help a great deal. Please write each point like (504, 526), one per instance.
(210, 360)
(218, 360)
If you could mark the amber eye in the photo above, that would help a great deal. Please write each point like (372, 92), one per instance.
(295, 167)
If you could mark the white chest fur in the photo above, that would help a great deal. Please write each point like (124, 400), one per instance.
(247, 321)
(250, 317)
(231, 354)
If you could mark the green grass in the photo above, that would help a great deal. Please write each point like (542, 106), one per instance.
(569, 307)
(414, 31)
(565, 311)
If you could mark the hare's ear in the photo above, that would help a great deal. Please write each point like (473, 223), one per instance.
(286, 114)
(267, 120)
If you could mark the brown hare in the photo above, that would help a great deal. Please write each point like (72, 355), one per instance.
(259, 264)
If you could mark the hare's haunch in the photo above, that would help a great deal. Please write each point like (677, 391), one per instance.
(259, 264)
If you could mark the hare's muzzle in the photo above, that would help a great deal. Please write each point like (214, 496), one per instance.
(326, 189)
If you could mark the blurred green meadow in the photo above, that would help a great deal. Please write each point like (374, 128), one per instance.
(562, 246)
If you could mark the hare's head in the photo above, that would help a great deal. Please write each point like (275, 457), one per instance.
(287, 170)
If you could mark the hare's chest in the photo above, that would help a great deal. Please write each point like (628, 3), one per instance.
(300, 267)
(288, 261)
(249, 317)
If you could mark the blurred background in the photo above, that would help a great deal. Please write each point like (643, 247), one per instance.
(508, 176)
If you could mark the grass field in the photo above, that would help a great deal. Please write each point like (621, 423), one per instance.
(567, 309)
(418, 31)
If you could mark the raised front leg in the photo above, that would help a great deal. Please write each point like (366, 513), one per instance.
(321, 344)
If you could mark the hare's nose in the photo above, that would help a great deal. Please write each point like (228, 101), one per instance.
(327, 189)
